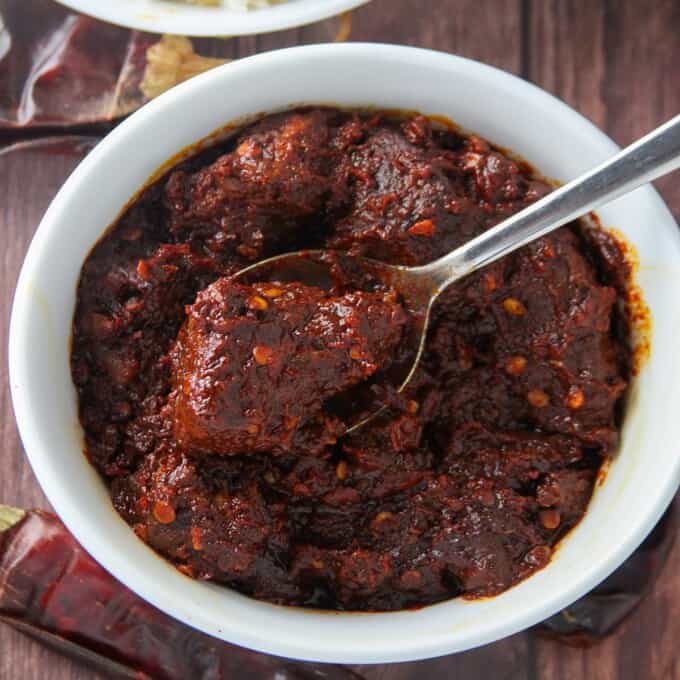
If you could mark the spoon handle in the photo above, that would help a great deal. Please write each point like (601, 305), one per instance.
(656, 154)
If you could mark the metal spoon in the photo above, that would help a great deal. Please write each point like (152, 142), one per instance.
(653, 156)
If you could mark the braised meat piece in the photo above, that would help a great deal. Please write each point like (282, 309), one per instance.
(255, 364)
(250, 201)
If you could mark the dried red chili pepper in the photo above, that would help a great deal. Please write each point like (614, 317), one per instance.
(58, 68)
(51, 589)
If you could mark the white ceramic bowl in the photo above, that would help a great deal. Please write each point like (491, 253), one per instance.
(502, 108)
(159, 16)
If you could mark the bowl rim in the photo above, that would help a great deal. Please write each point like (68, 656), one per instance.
(190, 20)
(236, 632)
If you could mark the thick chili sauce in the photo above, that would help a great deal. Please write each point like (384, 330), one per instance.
(465, 486)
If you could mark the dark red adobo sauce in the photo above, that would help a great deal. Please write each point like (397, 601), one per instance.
(462, 489)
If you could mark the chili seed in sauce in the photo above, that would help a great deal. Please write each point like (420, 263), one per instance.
(196, 536)
(186, 569)
(163, 512)
(575, 397)
(342, 470)
(272, 292)
(490, 282)
(515, 365)
(144, 271)
(514, 307)
(263, 355)
(383, 516)
(538, 398)
(550, 519)
(538, 556)
(258, 302)
(412, 406)
(422, 228)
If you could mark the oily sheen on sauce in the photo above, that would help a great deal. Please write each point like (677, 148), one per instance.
(465, 486)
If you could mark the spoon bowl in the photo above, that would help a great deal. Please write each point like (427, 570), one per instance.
(328, 269)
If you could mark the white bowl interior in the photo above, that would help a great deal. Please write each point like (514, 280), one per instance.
(498, 106)
(161, 16)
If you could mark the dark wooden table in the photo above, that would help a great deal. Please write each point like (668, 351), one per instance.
(615, 61)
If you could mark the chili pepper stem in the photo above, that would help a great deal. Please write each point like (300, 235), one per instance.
(9, 516)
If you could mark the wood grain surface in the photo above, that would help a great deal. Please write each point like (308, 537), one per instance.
(616, 62)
